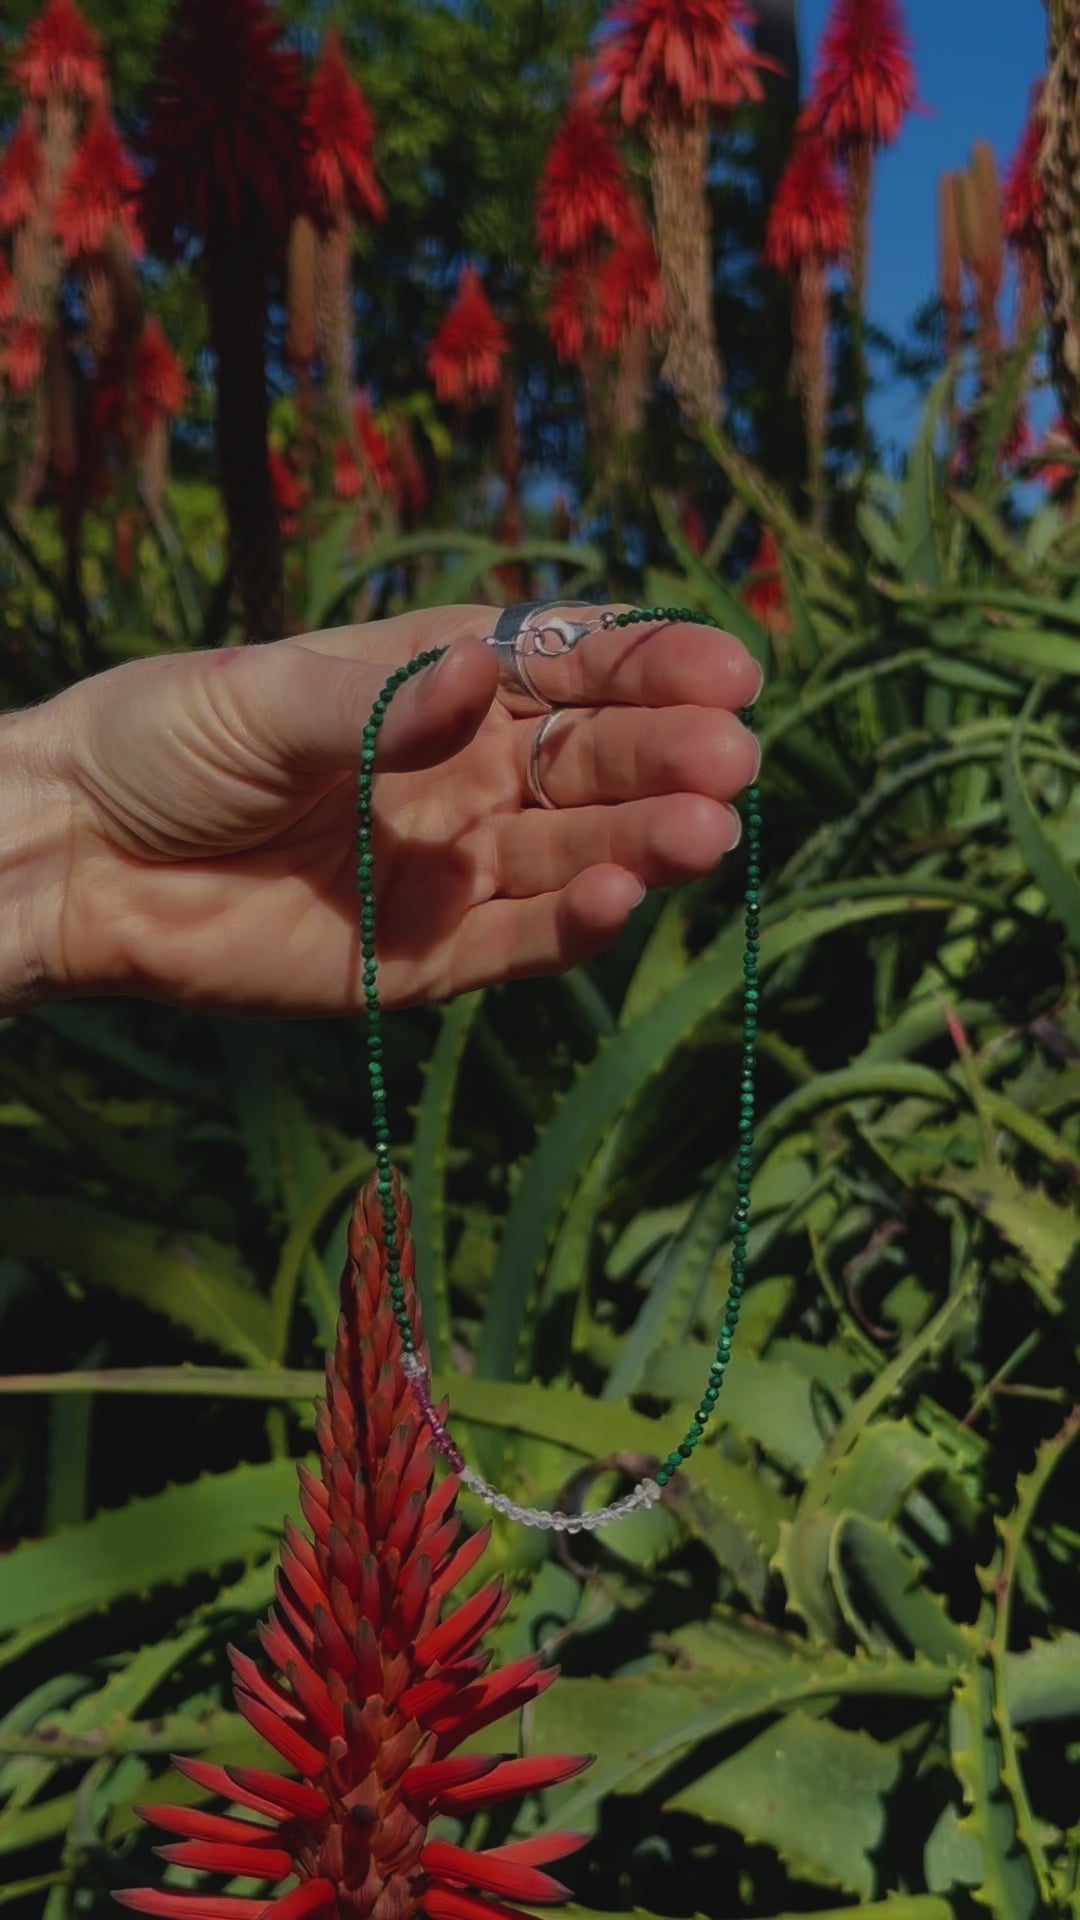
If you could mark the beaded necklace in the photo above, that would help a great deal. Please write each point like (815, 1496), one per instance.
(648, 1491)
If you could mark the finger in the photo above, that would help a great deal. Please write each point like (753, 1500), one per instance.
(665, 842)
(660, 664)
(656, 664)
(624, 753)
(306, 711)
(517, 939)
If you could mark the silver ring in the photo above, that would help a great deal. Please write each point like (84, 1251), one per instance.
(513, 631)
(534, 776)
(516, 685)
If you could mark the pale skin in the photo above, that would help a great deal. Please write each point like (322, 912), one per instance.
(182, 829)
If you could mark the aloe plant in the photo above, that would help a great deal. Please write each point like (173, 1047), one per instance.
(838, 1670)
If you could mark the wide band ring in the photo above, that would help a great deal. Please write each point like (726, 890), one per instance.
(517, 690)
(533, 773)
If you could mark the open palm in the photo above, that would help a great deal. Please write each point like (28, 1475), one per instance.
(212, 855)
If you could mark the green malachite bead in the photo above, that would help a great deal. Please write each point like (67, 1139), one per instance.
(740, 1214)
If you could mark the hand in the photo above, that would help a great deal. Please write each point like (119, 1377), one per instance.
(194, 816)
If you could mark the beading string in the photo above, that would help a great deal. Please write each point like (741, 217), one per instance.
(647, 1491)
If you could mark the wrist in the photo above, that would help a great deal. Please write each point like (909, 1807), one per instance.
(37, 840)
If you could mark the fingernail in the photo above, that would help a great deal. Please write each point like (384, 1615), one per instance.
(736, 828)
(761, 682)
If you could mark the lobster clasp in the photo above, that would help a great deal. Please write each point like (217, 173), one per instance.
(557, 635)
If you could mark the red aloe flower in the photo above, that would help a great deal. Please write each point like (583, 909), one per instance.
(628, 287)
(378, 1685)
(20, 174)
(60, 54)
(763, 588)
(228, 141)
(808, 219)
(24, 354)
(1024, 195)
(584, 192)
(571, 313)
(465, 356)
(348, 478)
(375, 453)
(664, 58)
(864, 84)
(226, 128)
(99, 192)
(1056, 464)
(373, 444)
(7, 292)
(410, 480)
(807, 228)
(289, 491)
(160, 382)
(342, 138)
(1023, 201)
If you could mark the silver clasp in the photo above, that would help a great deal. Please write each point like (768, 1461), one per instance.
(567, 633)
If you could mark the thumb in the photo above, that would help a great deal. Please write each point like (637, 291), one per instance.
(315, 707)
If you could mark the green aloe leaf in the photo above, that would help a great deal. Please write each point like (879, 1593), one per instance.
(817, 1794)
(643, 1725)
(220, 1520)
(427, 1181)
(193, 1281)
(1056, 879)
(617, 1076)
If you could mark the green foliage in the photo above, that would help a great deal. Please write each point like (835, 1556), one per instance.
(837, 1672)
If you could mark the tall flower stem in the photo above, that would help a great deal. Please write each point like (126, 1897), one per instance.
(678, 173)
(236, 288)
(860, 178)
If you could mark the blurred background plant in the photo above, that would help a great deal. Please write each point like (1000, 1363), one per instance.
(286, 342)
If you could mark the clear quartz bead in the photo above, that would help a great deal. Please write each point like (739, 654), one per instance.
(560, 1521)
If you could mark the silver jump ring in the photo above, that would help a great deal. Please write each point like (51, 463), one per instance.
(535, 778)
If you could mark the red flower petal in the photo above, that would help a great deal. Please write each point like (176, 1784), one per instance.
(218, 1856)
(455, 1903)
(433, 1776)
(191, 1906)
(460, 1563)
(491, 1874)
(541, 1848)
(293, 1797)
(248, 1675)
(305, 1902)
(459, 1633)
(216, 1780)
(489, 1699)
(291, 1745)
(512, 1778)
(194, 1824)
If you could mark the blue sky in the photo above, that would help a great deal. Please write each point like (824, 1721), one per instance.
(975, 61)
